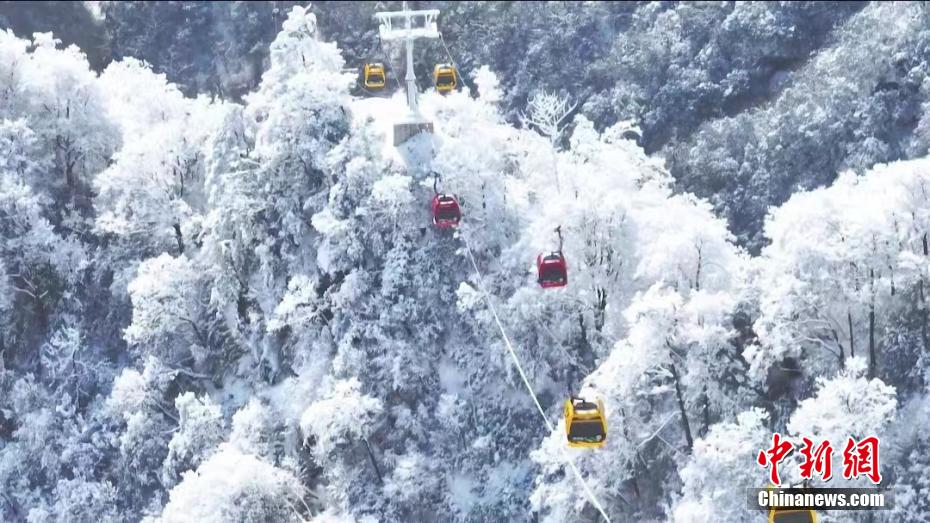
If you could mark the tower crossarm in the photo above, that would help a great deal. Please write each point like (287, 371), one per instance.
(408, 25)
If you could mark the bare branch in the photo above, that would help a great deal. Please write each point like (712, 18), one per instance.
(546, 112)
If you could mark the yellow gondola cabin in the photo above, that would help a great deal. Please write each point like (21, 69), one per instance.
(792, 516)
(585, 424)
(445, 77)
(374, 76)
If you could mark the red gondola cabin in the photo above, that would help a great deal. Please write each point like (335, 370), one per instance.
(446, 211)
(552, 270)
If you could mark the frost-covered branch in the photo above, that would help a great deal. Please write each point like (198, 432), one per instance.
(546, 112)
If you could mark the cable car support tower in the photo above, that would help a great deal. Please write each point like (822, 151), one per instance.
(408, 26)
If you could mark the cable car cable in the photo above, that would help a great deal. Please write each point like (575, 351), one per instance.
(387, 58)
(526, 381)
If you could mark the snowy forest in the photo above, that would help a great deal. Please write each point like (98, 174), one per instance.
(222, 297)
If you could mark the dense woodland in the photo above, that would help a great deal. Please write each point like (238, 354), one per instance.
(221, 297)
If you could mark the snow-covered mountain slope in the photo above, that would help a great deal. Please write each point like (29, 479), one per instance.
(220, 311)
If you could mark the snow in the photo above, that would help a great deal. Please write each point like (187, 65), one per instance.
(380, 114)
(393, 192)
(292, 396)
(327, 224)
(846, 405)
(290, 318)
(462, 493)
(451, 378)
(128, 391)
(468, 297)
(344, 412)
(230, 486)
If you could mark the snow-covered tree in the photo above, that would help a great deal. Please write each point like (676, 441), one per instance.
(254, 430)
(167, 308)
(344, 415)
(546, 113)
(64, 106)
(718, 472)
(139, 406)
(233, 486)
(852, 283)
(200, 430)
(152, 196)
(78, 499)
(239, 310)
(846, 405)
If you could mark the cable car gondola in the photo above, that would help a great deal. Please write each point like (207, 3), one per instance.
(445, 77)
(551, 269)
(446, 211)
(585, 424)
(374, 76)
(791, 514)
(788, 515)
(445, 207)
